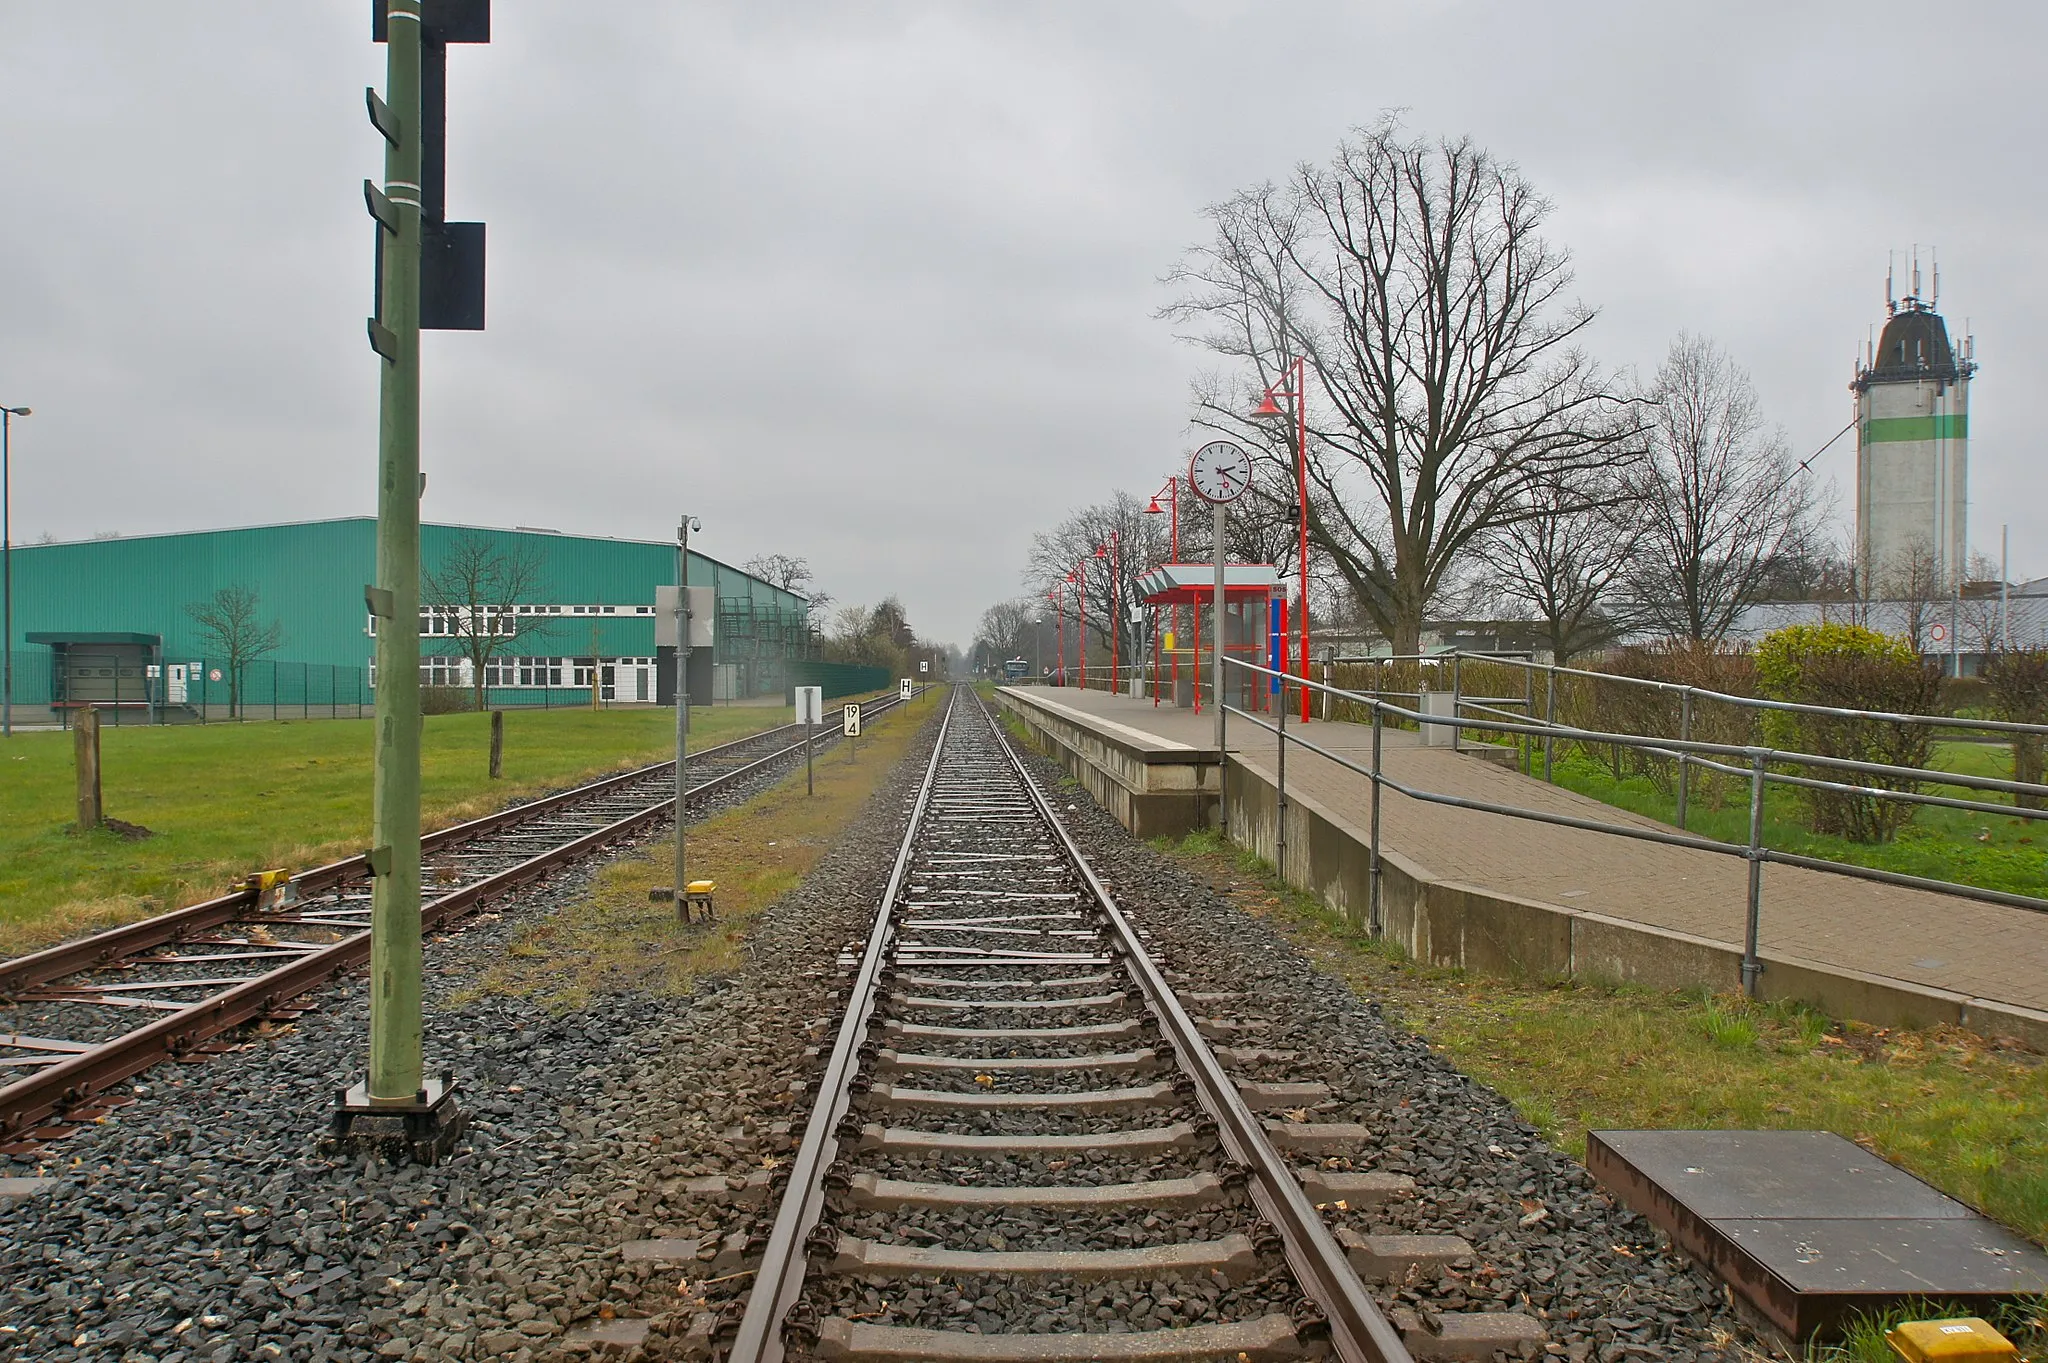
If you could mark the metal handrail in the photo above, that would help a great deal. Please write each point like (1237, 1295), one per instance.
(1702, 693)
(1757, 770)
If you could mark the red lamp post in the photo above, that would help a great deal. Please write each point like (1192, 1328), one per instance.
(1080, 580)
(1172, 491)
(1113, 551)
(1267, 410)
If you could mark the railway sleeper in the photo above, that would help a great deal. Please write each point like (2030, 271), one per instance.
(1132, 1099)
(1355, 1189)
(1402, 1258)
(903, 1140)
(1267, 1339)
(888, 1194)
(1468, 1336)
(898, 1062)
(1005, 1005)
(1232, 1257)
(1126, 1030)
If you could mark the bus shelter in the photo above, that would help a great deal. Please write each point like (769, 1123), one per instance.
(1181, 599)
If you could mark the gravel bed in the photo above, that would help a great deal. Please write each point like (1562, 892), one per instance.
(999, 1303)
(202, 1222)
(1093, 1168)
(1607, 1285)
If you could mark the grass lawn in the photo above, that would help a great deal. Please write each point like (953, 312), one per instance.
(1990, 851)
(1967, 1114)
(615, 939)
(226, 799)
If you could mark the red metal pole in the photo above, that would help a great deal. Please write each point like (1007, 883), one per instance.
(1116, 560)
(1081, 605)
(1301, 474)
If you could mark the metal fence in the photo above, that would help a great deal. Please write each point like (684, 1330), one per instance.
(1754, 765)
(131, 687)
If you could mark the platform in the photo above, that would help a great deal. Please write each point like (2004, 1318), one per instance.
(1808, 1227)
(1493, 893)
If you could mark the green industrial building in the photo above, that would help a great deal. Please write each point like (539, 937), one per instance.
(112, 622)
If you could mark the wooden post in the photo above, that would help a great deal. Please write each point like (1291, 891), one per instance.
(497, 744)
(85, 742)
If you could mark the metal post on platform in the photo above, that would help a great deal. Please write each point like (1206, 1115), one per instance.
(1280, 826)
(1216, 610)
(1751, 966)
(1372, 898)
(1528, 713)
(1684, 735)
(1549, 713)
(1457, 693)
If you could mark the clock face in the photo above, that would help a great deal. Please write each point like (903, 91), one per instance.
(1220, 471)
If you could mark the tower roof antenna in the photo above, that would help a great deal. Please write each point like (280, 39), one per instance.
(1891, 302)
(1935, 300)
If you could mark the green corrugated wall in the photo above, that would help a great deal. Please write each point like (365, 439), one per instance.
(310, 576)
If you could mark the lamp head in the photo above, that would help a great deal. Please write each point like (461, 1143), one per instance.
(1267, 410)
(1154, 509)
(16, 411)
(1102, 551)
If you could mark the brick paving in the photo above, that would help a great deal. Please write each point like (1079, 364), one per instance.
(1942, 941)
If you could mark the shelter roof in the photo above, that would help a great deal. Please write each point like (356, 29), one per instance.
(91, 637)
(1185, 584)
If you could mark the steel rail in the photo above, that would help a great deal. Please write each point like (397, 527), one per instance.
(75, 1080)
(784, 1261)
(103, 948)
(1358, 1331)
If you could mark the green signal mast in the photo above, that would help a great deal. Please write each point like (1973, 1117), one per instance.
(430, 274)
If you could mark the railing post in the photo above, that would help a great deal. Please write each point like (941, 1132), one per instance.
(1326, 682)
(1374, 922)
(1528, 713)
(1280, 824)
(1457, 692)
(1549, 713)
(1684, 735)
(1751, 966)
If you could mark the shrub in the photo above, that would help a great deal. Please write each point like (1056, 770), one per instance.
(1654, 713)
(2017, 687)
(446, 700)
(1851, 668)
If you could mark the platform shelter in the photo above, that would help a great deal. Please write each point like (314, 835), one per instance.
(1182, 597)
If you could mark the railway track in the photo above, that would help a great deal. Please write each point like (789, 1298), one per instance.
(1023, 1145)
(81, 1017)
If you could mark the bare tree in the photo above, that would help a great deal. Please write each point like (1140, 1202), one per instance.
(1445, 378)
(1006, 628)
(1565, 561)
(1722, 502)
(1912, 582)
(790, 573)
(1140, 540)
(469, 605)
(234, 631)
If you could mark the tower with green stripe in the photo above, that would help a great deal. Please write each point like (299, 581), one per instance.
(1912, 453)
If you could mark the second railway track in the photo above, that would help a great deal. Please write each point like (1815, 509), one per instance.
(1025, 1147)
(79, 1018)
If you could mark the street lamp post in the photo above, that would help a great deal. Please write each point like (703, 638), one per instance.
(7, 415)
(1079, 577)
(1113, 551)
(1297, 398)
(1172, 491)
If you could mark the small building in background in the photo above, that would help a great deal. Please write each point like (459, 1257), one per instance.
(110, 622)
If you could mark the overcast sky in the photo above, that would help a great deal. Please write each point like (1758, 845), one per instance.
(874, 283)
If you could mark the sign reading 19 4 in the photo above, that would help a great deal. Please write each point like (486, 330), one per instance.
(1220, 472)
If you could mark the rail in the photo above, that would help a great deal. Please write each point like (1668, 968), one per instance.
(72, 1081)
(1757, 763)
(1358, 1332)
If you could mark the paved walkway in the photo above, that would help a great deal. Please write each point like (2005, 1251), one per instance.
(1930, 939)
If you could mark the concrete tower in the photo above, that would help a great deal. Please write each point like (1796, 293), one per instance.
(1912, 449)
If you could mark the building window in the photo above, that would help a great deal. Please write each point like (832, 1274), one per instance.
(442, 671)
